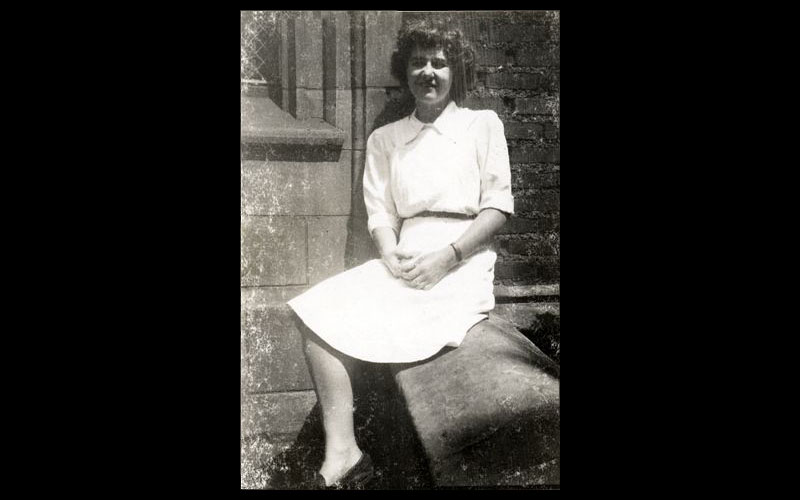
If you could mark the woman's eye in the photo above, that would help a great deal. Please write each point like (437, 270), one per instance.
(439, 64)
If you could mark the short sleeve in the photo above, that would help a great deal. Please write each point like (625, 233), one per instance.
(381, 209)
(495, 168)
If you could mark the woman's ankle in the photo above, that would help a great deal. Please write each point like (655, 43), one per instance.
(338, 461)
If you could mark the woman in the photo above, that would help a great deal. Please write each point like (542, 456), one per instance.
(437, 187)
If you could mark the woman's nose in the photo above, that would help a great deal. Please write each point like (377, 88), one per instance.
(427, 70)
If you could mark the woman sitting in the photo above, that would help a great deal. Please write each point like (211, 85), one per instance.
(437, 187)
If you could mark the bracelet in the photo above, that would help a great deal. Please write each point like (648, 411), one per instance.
(457, 251)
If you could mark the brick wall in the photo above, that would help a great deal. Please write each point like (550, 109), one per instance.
(518, 69)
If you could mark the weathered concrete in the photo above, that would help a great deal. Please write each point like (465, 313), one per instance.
(341, 21)
(275, 462)
(500, 396)
(273, 251)
(358, 207)
(263, 122)
(261, 297)
(382, 28)
(276, 415)
(274, 359)
(327, 239)
(310, 103)
(524, 315)
(297, 188)
(308, 40)
(343, 119)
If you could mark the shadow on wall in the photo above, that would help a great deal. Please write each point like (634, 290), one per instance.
(359, 246)
(382, 426)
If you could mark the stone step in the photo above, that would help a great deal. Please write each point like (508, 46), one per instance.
(277, 415)
(488, 412)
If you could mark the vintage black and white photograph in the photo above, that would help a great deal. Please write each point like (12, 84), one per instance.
(400, 250)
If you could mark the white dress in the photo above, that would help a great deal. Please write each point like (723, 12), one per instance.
(458, 165)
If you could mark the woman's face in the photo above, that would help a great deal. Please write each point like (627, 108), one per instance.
(429, 76)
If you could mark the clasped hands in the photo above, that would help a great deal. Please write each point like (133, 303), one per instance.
(420, 270)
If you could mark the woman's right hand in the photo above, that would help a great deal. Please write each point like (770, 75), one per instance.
(394, 259)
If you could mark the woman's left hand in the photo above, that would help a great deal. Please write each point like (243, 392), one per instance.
(425, 271)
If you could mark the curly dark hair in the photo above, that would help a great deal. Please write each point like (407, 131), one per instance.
(435, 33)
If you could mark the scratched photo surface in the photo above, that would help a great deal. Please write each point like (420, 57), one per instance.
(314, 86)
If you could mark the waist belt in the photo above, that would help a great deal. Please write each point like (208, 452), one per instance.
(451, 215)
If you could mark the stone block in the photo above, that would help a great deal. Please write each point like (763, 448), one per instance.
(344, 116)
(273, 251)
(359, 125)
(327, 239)
(524, 315)
(297, 188)
(310, 103)
(343, 54)
(359, 161)
(308, 43)
(277, 415)
(496, 393)
(273, 352)
(381, 35)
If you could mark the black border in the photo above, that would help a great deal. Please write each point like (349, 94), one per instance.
(620, 280)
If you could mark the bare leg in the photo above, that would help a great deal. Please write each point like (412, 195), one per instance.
(330, 371)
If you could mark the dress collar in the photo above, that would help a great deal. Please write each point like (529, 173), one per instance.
(445, 123)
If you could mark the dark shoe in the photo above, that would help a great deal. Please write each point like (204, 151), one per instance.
(356, 478)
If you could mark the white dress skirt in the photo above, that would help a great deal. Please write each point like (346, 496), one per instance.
(369, 314)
